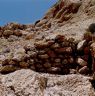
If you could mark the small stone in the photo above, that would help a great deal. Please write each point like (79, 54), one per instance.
(60, 56)
(32, 54)
(51, 54)
(25, 57)
(17, 33)
(32, 68)
(29, 36)
(5, 62)
(23, 65)
(18, 54)
(81, 62)
(0, 34)
(41, 52)
(54, 70)
(56, 45)
(92, 28)
(45, 56)
(65, 44)
(93, 56)
(80, 45)
(6, 50)
(83, 70)
(68, 50)
(64, 50)
(41, 22)
(7, 33)
(27, 48)
(11, 62)
(59, 38)
(71, 60)
(47, 65)
(2, 57)
(73, 71)
(58, 60)
(85, 57)
(64, 17)
(57, 64)
(71, 40)
(88, 36)
(50, 42)
(86, 51)
(31, 61)
(41, 45)
(12, 38)
(7, 69)
(64, 62)
(39, 67)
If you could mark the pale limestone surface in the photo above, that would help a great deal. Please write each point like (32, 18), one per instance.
(29, 83)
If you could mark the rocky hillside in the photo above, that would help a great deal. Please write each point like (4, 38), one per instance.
(53, 57)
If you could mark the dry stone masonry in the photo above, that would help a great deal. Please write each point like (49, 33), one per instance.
(56, 56)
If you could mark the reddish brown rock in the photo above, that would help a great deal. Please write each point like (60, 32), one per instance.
(41, 45)
(51, 54)
(60, 38)
(50, 42)
(85, 57)
(86, 50)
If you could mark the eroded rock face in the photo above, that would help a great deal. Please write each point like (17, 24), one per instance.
(28, 83)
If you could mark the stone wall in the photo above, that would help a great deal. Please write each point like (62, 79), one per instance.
(57, 56)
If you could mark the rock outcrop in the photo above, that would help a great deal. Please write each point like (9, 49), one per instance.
(28, 83)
